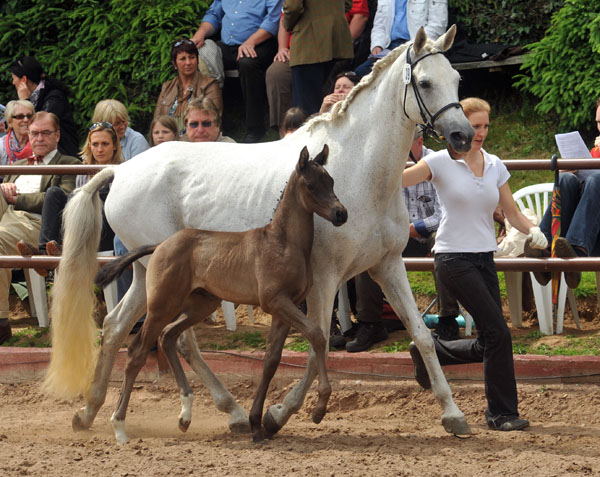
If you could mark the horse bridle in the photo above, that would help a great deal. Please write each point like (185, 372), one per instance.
(429, 119)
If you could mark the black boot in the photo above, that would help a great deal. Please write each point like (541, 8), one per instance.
(5, 331)
(447, 328)
(366, 336)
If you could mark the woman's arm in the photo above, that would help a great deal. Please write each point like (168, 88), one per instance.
(418, 173)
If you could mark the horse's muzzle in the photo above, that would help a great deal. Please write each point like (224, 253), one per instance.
(340, 216)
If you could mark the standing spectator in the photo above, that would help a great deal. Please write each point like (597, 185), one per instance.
(23, 197)
(279, 79)
(163, 129)
(15, 144)
(114, 112)
(46, 94)
(320, 37)
(189, 83)
(248, 31)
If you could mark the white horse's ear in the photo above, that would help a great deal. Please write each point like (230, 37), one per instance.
(304, 157)
(444, 42)
(322, 156)
(420, 41)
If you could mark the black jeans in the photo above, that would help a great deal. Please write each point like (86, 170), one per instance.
(472, 279)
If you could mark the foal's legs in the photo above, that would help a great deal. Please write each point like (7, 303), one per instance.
(116, 327)
(277, 335)
(390, 273)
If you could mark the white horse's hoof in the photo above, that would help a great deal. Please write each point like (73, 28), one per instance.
(184, 425)
(274, 419)
(119, 428)
(239, 426)
(456, 425)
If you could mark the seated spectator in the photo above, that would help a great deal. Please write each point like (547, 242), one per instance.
(248, 45)
(46, 94)
(114, 112)
(163, 129)
(398, 21)
(321, 37)
(15, 145)
(579, 218)
(203, 122)
(344, 82)
(292, 120)
(23, 197)
(101, 147)
(189, 83)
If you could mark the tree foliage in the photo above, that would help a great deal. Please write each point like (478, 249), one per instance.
(563, 68)
(99, 48)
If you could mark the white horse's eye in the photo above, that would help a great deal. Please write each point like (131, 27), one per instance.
(425, 84)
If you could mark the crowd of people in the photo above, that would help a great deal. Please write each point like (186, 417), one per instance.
(299, 58)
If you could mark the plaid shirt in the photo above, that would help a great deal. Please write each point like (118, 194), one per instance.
(423, 206)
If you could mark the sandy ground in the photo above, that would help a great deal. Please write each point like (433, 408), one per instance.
(372, 428)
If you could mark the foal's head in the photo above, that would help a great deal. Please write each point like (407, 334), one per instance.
(316, 188)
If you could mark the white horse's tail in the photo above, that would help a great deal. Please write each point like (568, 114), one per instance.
(74, 332)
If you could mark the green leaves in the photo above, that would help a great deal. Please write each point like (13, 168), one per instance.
(100, 49)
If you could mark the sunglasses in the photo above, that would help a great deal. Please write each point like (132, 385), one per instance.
(103, 124)
(195, 124)
(22, 116)
(182, 42)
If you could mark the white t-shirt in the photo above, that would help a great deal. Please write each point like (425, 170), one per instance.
(467, 202)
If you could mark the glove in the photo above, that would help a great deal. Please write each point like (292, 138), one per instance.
(538, 239)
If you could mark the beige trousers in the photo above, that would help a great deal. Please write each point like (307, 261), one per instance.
(15, 225)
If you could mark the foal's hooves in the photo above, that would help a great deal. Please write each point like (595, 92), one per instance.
(239, 427)
(318, 415)
(78, 424)
(270, 425)
(456, 425)
(184, 425)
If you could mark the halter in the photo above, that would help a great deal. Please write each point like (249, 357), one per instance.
(428, 118)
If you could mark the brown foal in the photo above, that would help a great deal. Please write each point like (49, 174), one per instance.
(191, 272)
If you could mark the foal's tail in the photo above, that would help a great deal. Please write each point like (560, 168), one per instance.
(74, 332)
(113, 269)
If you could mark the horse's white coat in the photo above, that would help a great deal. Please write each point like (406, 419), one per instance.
(235, 187)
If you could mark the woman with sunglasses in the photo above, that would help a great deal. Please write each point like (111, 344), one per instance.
(15, 145)
(101, 147)
(189, 84)
(344, 82)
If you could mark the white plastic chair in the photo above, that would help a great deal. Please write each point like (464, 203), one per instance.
(537, 197)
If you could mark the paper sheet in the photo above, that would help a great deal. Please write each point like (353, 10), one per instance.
(571, 146)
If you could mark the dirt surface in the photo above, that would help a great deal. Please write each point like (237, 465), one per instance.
(372, 428)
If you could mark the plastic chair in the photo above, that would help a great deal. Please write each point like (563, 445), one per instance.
(537, 197)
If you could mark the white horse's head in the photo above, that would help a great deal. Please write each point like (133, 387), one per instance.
(431, 90)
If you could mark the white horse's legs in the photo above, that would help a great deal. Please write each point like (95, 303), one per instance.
(390, 273)
(224, 401)
(319, 303)
(117, 325)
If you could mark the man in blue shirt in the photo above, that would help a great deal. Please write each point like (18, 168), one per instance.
(248, 32)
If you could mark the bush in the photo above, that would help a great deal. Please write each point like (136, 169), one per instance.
(562, 69)
(101, 49)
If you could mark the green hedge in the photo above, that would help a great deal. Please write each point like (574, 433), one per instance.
(100, 49)
(563, 68)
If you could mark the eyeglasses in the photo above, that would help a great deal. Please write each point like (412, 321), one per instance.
(349, 74)
(41, 133)
(182, 42)
(195, 124)
(103, 124)
(22, 116)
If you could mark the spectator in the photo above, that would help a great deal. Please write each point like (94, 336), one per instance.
(189, 83)
(114, 112)
(23, 197)
(15, 145)
(424, 214)
(464, 261)
(203, 122)
(398, 21)
(321, 36)
(292, 120)
(46, 94)
(579, 219)
(248, 45)
(163, 129)
(344, 82)
(101, 147)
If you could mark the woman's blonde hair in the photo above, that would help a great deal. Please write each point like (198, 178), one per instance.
(168, 122)
(86, 153)
(475, 105)
(110, 110)
(12, 105)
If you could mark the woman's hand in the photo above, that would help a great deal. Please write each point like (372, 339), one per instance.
(597, 142)
(330, 100)
(282, 55)
(538, 239)
(22, 88)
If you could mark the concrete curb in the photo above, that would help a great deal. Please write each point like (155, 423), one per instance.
(27, 364)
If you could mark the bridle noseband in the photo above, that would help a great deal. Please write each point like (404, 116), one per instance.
(429, 119)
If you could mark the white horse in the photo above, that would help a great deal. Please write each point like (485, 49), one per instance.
(235, 187)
